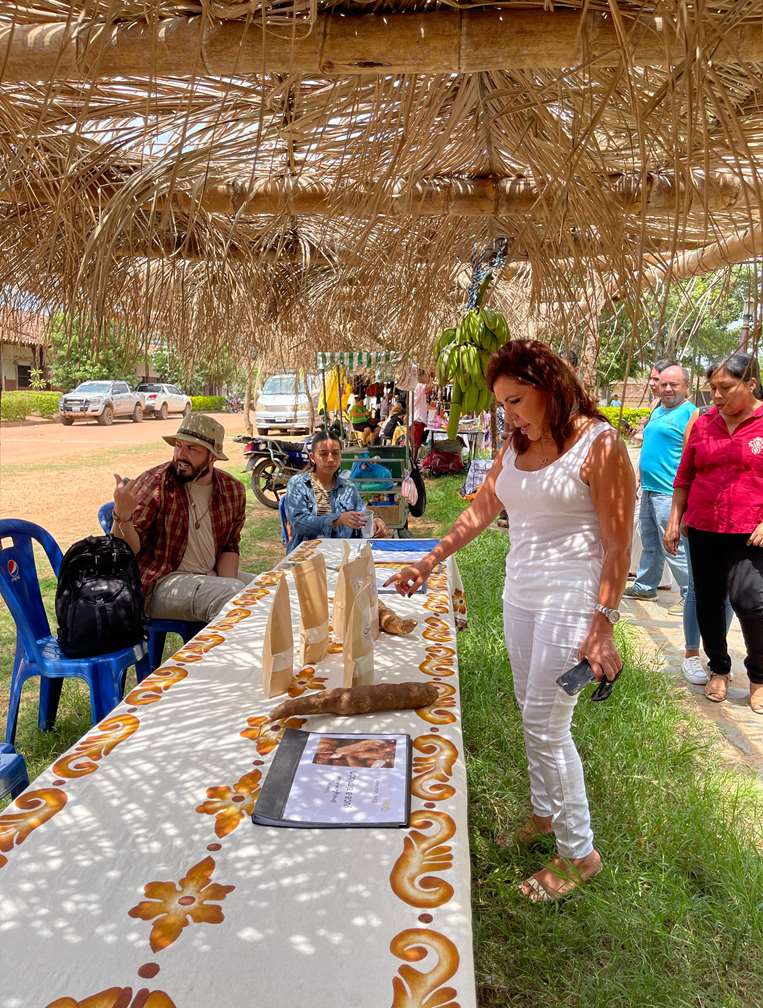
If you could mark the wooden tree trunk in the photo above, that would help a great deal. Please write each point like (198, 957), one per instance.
(493, 430)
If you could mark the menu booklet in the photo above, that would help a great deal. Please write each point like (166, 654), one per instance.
(340, 779)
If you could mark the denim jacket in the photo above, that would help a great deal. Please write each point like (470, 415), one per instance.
(301, 507)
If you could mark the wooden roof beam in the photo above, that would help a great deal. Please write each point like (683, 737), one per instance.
(657, 194)
(435, 42)
(727, 251)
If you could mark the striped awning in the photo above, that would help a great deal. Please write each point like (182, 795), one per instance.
(380, 361)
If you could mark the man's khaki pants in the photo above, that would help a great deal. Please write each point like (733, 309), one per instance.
(198, 597)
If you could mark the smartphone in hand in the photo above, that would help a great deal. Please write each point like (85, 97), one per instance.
(574, 680)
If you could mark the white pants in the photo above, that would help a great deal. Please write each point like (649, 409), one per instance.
(541, 646)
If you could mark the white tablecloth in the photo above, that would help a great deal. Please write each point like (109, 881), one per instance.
(131, 874)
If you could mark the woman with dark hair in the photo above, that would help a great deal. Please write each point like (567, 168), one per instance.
(566, 481)
(718, 497)
(321, 502)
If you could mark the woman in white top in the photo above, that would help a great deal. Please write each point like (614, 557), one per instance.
(566, 481)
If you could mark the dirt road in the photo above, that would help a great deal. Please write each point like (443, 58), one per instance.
(59, 476)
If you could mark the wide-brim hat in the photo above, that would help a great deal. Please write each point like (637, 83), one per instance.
(201, 430)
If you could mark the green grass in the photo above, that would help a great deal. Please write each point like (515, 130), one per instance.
(676, 917)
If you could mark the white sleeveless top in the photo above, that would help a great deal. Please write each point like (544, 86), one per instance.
(554, 563)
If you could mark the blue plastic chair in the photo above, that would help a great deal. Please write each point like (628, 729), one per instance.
(13, 775)
(157, 629)
(37, 651)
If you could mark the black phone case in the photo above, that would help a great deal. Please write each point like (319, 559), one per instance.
(576, 679)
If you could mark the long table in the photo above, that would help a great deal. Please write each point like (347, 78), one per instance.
(131, 875)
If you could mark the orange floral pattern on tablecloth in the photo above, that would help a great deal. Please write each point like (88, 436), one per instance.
(306, 679)
(434, 768)
(459, 603)
(229, 805)
(230, 619)
(98, 743)
(413, 988)
(270, 579)
(423, 853)
(117, 997)
(153, 686)
(437, 630)
(438, 661)
(174, 906)
(437, 714)
(35, 808)
(195, 649)
(251, 596)
(266, 733)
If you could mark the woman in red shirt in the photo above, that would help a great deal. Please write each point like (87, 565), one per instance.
(718, 496)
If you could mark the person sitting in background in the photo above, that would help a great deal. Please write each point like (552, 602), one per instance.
(362, 421)
(321, 503)
(718, 497)
(183, 521)
(396, 419)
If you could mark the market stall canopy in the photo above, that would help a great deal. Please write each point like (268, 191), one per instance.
(285, 177)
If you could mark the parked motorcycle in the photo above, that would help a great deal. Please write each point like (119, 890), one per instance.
(272, 463)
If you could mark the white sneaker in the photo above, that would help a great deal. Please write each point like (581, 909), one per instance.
(693, 671)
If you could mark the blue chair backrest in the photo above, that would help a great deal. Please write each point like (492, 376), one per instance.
(19, 583)
(106, 516)
(283, 515)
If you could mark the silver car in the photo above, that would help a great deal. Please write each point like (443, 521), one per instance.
(283, 403)
(162, 399)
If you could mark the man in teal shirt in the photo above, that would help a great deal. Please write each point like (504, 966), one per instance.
(658, 463)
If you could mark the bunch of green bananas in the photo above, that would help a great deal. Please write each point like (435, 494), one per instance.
(462, 356)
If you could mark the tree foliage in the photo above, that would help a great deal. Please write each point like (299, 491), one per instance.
(73, 357)
(695, 323)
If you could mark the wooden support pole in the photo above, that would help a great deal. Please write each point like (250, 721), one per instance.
(434, 42)
(726, 251)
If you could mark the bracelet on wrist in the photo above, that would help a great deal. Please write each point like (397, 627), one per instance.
(122, 521)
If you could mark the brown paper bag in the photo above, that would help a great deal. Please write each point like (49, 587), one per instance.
(312, 591)
(359, 642)
(352, 576)
(278, 646)
(367, 555)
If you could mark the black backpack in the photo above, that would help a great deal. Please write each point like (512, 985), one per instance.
(418, 509)
(99, 599)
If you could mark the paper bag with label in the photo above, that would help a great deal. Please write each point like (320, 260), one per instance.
(359, 642)
(352, 576)
(312, 591)
(278, 646)
(368, 558)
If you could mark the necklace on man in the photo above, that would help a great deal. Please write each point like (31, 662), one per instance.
(197, 518)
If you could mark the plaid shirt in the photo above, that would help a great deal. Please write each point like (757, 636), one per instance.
(161, 520)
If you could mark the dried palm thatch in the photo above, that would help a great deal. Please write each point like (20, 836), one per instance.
(287, 176)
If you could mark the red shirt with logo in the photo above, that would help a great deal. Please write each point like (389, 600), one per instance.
(724, 474)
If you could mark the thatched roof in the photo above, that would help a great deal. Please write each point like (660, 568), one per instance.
(23, 328)
(293, 175)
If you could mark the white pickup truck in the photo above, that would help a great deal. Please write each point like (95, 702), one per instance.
(162, 399)
(101, 401)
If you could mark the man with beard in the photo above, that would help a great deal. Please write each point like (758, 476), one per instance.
(183, 521)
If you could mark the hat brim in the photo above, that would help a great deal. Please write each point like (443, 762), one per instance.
(172, 439)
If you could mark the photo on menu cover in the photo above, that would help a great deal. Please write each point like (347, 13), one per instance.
(354, 752)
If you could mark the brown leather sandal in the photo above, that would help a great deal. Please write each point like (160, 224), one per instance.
(717, 688)
(566, 877)
(756, 697)
(528, 834)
